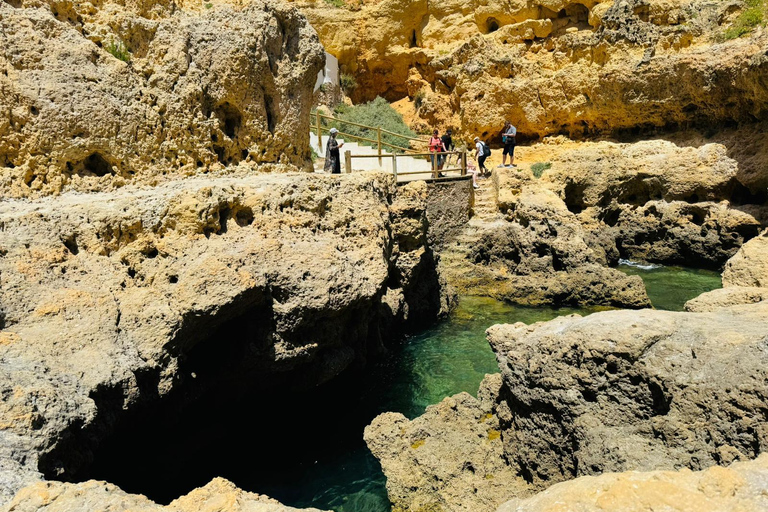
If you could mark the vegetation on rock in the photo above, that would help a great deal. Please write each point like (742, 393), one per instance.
(376, 113)
(118, 50)
(539, 167)
(751, 17)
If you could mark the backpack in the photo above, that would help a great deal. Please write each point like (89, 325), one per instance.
(486, 149)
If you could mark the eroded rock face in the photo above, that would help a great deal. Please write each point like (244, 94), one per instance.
(749, 266)
(665, 390)
(653, 201)
(217, 496)
(739, 487)
(201, 92)
(450, 458)
(745, 279)
(552, 67)
(112, 299)
(541, 250)
(610, 392)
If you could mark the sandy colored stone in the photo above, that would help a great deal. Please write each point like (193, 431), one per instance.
(651, 200)
(219, 495)
(738, 488)
(726, 298)
(617, 391)
(536, 254)
(202, 92)
(552, 67)
(434, 461)
(610, 392)
(749, 266)
(105, 295)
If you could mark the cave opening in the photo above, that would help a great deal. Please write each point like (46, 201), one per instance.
(94, 165)
(239, 410)
(491, 25)
(230, 119)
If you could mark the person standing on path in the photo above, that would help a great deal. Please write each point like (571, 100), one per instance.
(447, 146)
(332, 160)
(480, 155)
(435, 147)
(508, 135)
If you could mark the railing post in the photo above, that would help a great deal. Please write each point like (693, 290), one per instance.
(463, 157)
(319, 132)
(433, 156)
(378, 130)
(348, 161)
(394, 166)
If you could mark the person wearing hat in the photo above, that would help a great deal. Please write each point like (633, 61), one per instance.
(332, 160)
(480, 155)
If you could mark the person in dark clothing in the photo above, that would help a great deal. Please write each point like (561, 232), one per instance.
(332, 159)
(447, 146)
(508, 135)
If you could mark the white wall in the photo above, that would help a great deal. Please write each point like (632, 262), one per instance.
(329, 75)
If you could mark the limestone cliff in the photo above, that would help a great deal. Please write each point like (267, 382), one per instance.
(106, 94)
(576, 68)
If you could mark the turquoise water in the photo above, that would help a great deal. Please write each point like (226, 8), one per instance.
(306, 449)
(450, 358)
(671, 287)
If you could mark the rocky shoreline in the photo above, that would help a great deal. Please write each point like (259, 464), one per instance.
(160, 233)
(604, 394)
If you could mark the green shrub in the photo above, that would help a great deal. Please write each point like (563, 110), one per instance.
(348, 83)
(751, 17)
(418, 100)
(336, 3)
(539, 167)
(374, 113)
(118, 50)
(208, 6)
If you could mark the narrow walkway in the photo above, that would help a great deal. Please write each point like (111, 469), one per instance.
(404, 163)
(456, 263)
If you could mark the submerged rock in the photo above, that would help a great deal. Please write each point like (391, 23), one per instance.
(738, 488)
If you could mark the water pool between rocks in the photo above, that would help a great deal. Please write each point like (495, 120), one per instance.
(308, 450)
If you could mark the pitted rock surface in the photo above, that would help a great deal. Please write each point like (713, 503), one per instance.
(738, 488)
(107, 296)
(201, 93)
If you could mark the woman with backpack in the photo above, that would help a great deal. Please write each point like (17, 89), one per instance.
(482, 151)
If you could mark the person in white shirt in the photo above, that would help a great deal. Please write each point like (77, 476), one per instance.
(480, 155)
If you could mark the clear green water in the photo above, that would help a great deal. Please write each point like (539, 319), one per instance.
(671, 287)
(450, 358)
(314, 455)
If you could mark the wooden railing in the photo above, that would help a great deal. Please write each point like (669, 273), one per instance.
(378, 129)
(436, 172)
